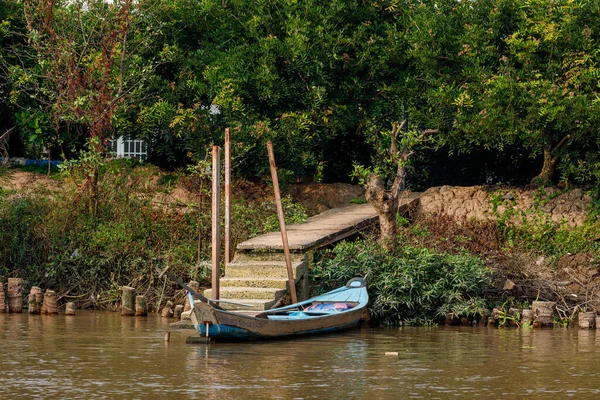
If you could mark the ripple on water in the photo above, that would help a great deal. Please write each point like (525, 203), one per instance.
(101, 355)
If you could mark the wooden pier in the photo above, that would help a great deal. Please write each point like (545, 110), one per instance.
(258, 275)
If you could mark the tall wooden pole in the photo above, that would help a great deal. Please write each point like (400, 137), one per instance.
(216, 201)
(227, 195)
(284, 238)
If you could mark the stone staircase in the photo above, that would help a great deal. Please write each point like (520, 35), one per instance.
(260, 279)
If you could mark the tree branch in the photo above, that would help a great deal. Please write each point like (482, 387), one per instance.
(561, 145)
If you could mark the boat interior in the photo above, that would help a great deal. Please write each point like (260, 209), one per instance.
(313, 309)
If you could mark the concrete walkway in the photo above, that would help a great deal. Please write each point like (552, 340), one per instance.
(328, 227)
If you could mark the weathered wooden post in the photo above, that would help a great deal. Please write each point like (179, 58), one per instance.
(484, 316)
(527, 316)
(39, 296)
(227, 196)
(70, 308)
(50, 305)
(178, 310)
(513, 313)
(141, 306)
(15, 295)
(216, 225)
(2, 299)
(450, 319)
(35, 300)
(587, 320)
(32, 303)
(167, 311)
(543, 313)
(280, 214)
(127, 301)
(196, 286)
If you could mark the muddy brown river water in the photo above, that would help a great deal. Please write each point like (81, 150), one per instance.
(102, 355)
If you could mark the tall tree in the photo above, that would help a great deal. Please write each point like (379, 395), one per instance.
(81, 64)
(530, 77)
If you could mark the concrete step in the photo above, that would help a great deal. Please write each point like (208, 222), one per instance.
(257, 305)
(277, 283)
(253, 293)
(262, 269)
(267, 256)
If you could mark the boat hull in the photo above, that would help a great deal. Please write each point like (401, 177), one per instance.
(233, 326)
(339, 309)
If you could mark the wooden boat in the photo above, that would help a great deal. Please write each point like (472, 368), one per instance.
(339, 309)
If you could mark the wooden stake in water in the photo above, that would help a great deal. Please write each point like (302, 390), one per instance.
(227, 195)
(284, 238)
(127, 301)
(216, 234)
(50, 305)
(177, 311)
(15, 295)
(141, 306)
(167, 311)
(2, 299)
(70, 308)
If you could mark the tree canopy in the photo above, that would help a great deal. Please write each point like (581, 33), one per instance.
(325, 81)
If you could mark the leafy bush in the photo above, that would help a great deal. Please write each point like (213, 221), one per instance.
(50, 238)
(412, 286)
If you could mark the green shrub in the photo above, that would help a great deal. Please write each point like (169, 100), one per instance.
(412, 286)
(50, 238)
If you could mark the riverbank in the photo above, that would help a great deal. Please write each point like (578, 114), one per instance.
(479, 249)
(461, 250)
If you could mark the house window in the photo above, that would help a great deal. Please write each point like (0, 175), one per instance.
(129, 148)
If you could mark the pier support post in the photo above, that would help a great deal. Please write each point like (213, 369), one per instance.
(70, 309)
(15, 295)
(527, 316)
(587, 320)
(543, 313)
(167, 311)
(141, 306)
(50, 305)
(216, 222)
(127, 301)
(177, 312)
(2, 299)
(35, 300)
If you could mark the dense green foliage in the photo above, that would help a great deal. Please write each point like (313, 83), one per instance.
(322, 80)
(49, 237)
(411, 286)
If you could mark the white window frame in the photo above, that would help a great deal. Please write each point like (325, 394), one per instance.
(124, 147)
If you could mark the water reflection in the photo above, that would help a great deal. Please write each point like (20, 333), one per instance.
(103, 355)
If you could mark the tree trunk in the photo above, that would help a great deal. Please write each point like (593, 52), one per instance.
(548, 168)
(551, 157)
(387, 225)
(386, 204)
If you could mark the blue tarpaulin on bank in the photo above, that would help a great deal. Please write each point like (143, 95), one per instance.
(28, 161)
